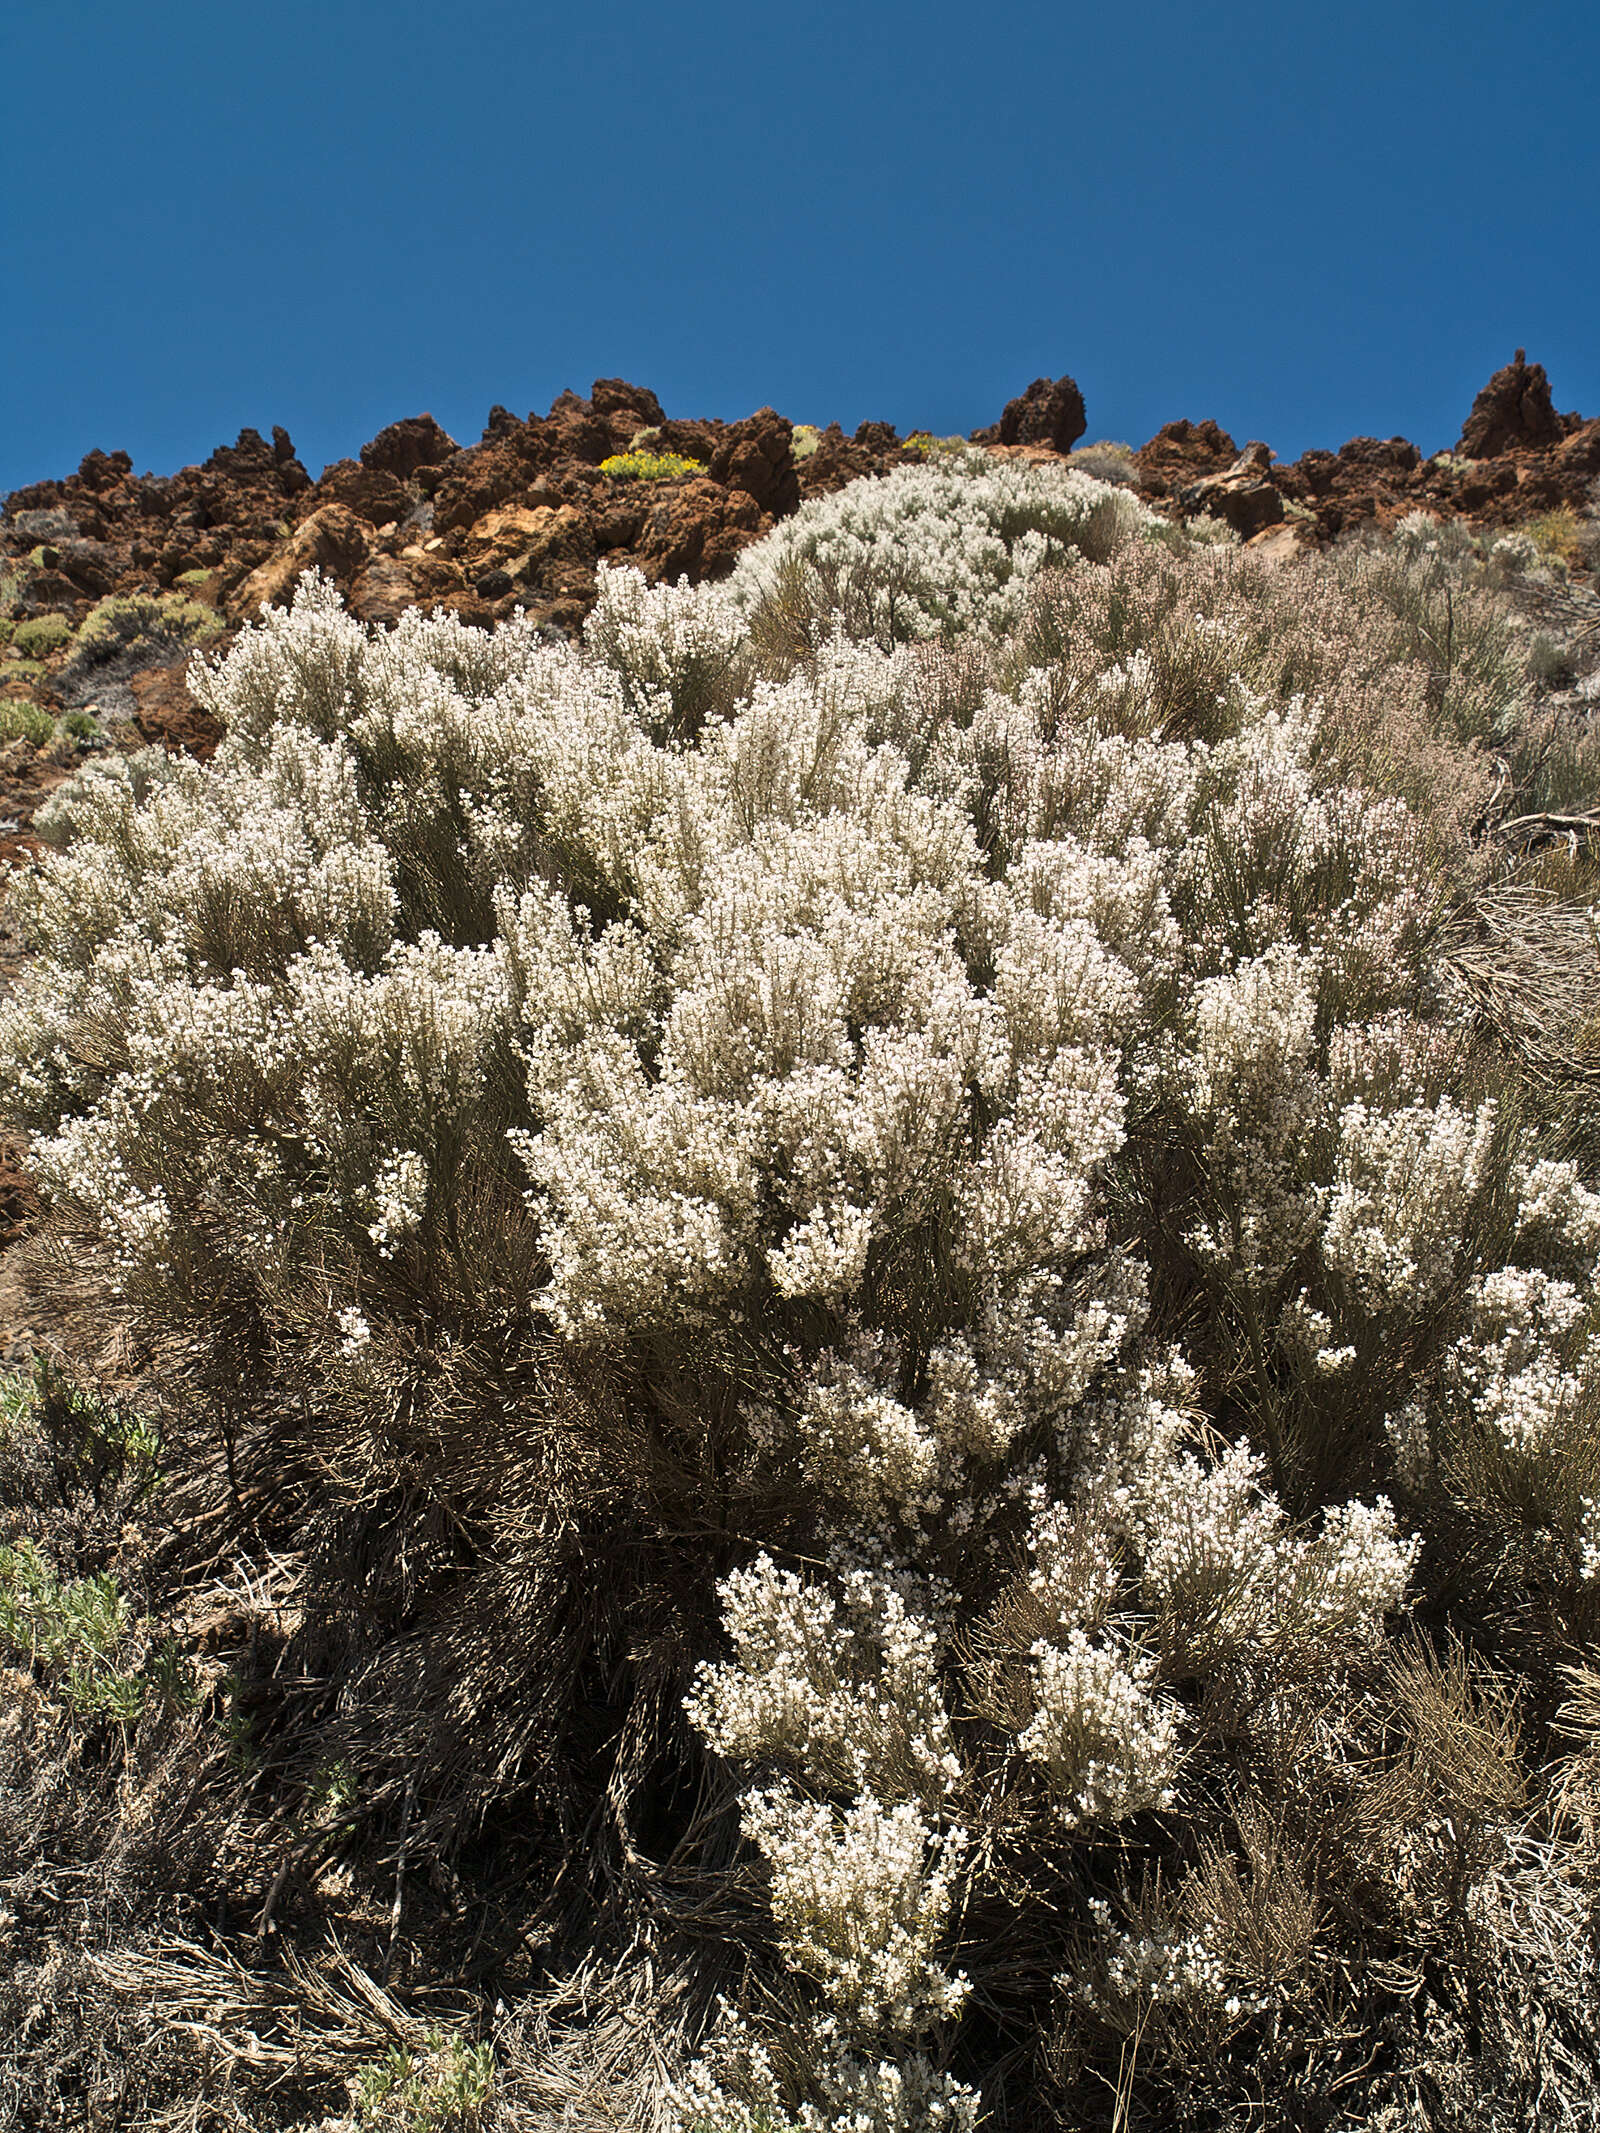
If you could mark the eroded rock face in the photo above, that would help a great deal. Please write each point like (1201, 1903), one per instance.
(1514, 412)
(1517, 459)
(406, 446)
(333, 539)
(1181, 453)
(120, 532)
(372, 493)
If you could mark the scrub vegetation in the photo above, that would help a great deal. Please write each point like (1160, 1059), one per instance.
(861, 1374)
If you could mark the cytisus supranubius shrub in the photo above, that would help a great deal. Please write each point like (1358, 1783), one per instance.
(861, 1238)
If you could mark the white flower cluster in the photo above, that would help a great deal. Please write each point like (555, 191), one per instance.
(862, 1899)
(1519, 1366)
(1159, 1966)
(1402, 1185)
(941, 548)
(734, 2088)
(669, 645)
(1219, 1558)
(846, 1690)
(1108, 1746)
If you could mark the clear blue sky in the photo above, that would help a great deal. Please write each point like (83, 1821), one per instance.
(1308, 221)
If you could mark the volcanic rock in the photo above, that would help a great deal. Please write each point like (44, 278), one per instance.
(1050, 412)
(697, 528)
(756, 456)
(370, 492)
(405, 446)
(1181, 453)
(332, 539)
(527, 543)
(1244, 497)
(1513, 412)
(839, 460)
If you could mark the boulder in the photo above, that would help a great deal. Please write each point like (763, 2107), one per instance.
(91, 565)
(1244, 497)
(1380, 457)
(697, 528)
(756, 456)
(627, 407)
(382, 591)
(1183, 452)
(523, 542)
(371, 493)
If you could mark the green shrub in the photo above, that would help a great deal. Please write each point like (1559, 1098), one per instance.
(41, 635)
(804, 440)
(193, 577)
(650, 466)
(927, 446)
(441, 2088)
(1558, 536)
(127, 619)
(22, 720)
(89, 1447)
(1108, 461)
(79, 1631)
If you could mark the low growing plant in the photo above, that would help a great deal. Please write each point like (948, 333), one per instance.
(124, 620)
(41, 635)
(440, 2089)
(650, 466)
(1109, 461)
(23, 720)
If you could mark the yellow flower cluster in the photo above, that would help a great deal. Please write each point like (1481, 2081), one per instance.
(650, 466)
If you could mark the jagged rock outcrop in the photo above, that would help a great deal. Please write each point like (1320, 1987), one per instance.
(332, 539)
(1517, 460)
(1050, 412)
(405, 447)
(1182, 453)
(1514, 412)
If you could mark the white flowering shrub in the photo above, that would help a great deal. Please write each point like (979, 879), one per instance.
(922, 1225)
(934, 550)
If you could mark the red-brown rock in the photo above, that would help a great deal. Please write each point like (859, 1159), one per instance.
(405, 446)
(697, 529)
(756, 456)
(1183, 452)
(1245, 497)
(1514, 412)
(371, 493)
(333, 540)
(1050, 412)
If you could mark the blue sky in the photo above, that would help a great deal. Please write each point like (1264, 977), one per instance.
(1309, 222)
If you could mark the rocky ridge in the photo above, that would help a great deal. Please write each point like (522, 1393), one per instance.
(524, 517)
